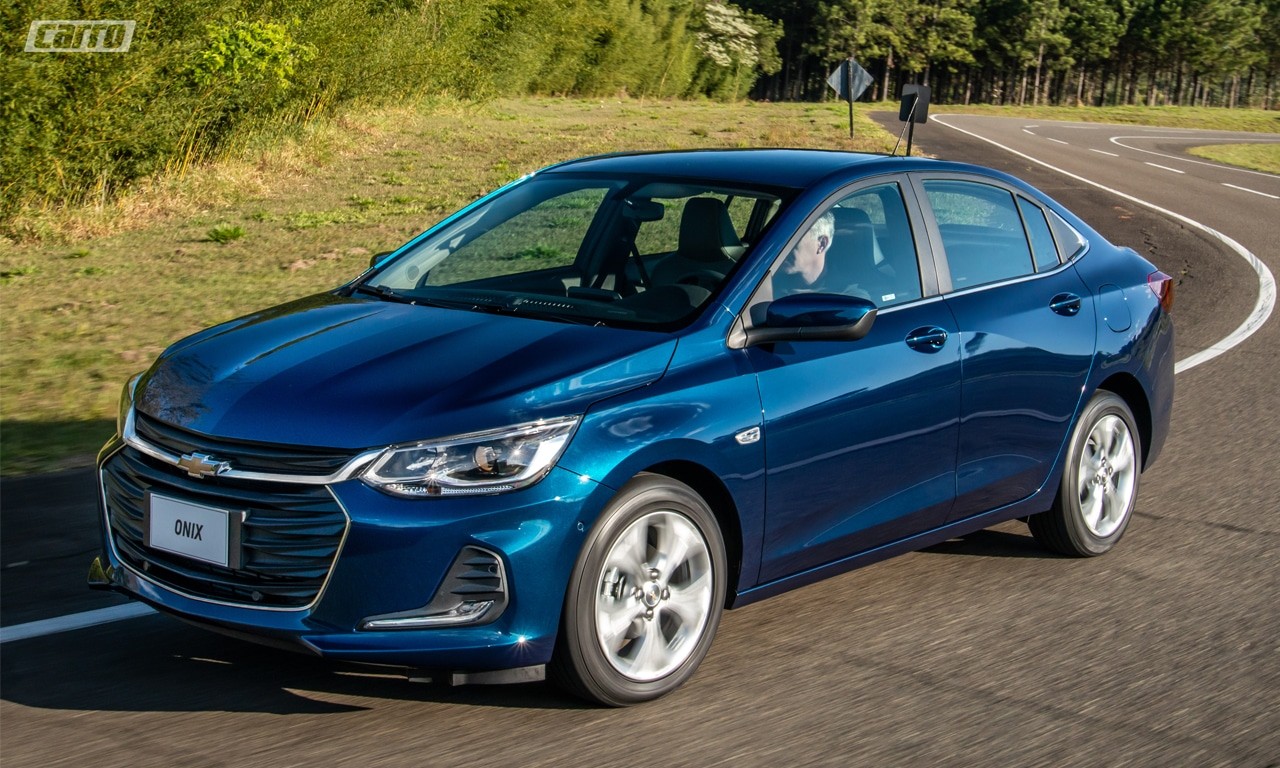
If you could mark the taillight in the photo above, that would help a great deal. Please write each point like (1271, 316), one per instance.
(1162, 286)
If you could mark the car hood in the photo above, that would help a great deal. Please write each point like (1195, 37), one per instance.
(352, 373)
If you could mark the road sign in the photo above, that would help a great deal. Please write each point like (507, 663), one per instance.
(914, 109)
(915, 104)
(849, 81)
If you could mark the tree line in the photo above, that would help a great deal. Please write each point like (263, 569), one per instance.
(1223, 53)
(205, 75)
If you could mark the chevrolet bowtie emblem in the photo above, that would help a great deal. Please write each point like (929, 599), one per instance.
(201, 465)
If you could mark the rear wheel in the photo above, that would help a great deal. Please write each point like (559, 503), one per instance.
(1099, 483)
(646, 595)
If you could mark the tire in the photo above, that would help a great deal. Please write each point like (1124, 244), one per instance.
(1099, 482)
(637, 622)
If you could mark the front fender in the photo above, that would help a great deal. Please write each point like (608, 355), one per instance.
(693, 414)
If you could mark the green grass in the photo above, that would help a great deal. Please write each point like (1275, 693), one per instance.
(1257, 157)
(225, 233)
(1206, 118)
(92, 295)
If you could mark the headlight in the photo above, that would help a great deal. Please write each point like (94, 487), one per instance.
(495, 461)
(126, 403)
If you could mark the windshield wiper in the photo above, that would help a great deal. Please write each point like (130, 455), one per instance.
(382, 292)
(532, 308)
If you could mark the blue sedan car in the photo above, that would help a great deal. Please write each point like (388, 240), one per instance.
(562, 430)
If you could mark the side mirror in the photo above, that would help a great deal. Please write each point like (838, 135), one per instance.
(814, 317)
(377, 257)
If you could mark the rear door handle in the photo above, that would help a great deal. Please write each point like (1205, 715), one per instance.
(927, 339)
(1066, 304)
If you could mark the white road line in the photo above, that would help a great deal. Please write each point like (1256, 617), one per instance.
(1060, 141)
(1266, 281)
(1024, 130)
(1165, 168)
(1102, 152)
(1243, 140)
(73, 621)
(1254, 191)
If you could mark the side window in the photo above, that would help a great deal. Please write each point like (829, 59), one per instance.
(1043, 249)
(862, 246)
(981, 232)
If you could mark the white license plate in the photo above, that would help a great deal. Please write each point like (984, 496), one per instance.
(193, 530)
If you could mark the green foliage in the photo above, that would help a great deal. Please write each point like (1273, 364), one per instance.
(250, 52)
(80, 128)
(225, 233)
(1161, 52)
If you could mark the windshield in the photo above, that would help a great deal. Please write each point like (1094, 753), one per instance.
(627, 252)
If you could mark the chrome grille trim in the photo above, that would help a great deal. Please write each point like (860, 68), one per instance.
(349, 470)
(142, 576)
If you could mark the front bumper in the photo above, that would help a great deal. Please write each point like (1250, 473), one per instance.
(394, 557)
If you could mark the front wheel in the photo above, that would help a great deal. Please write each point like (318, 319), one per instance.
(1099, 483)
(646, 595)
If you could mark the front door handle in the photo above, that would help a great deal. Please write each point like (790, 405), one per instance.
(927, 339)
(1065, 304)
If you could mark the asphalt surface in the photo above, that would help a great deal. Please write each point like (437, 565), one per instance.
(981, 651)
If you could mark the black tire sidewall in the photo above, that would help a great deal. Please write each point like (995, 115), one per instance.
(1067, 505)
(592, 672)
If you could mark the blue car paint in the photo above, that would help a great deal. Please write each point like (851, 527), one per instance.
(873, 415)
(1024, 376)
(353, 373)
(357, 373)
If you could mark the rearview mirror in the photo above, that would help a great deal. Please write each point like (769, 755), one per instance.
(814, 317)
(643, 210)
(377, 257)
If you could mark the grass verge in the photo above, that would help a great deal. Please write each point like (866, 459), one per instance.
(1257, 157)
(92, 295)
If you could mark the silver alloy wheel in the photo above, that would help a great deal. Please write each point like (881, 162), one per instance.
(1107, 475)
(654, 596)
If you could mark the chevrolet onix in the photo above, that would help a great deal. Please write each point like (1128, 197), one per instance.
(565, 428)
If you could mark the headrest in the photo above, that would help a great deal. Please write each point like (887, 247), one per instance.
(850, 218)
(706, 231)
(855, 234)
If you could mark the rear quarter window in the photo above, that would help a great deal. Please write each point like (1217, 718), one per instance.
(1043, 248)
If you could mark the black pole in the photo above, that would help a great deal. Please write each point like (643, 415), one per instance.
(911, 121)
(848, 90)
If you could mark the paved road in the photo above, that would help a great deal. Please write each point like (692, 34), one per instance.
(982, 651)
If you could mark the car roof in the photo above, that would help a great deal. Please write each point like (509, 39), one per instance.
(796, 168)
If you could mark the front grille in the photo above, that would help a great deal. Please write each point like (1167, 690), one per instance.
(254, 457)
(289, 540)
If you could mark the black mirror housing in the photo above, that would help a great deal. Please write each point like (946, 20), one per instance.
(814, 317)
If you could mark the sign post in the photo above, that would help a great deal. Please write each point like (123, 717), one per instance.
(849, 81)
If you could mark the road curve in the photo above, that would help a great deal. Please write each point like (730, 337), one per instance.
(982, 651)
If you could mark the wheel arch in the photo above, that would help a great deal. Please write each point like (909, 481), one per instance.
(713, 491)
(1127, 387)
